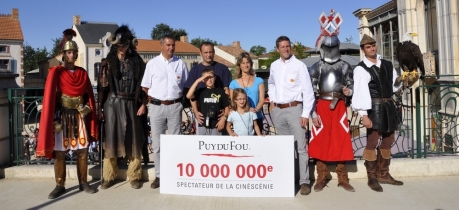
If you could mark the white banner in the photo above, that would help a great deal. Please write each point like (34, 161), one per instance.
(245, 166)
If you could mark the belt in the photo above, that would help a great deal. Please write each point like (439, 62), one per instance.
(125, 96)
(70, 102)
(380, 100)
(166, 102)
(291, 104)
(333, 97)
(326, 96)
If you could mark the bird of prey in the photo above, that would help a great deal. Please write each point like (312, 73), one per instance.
(410, 59)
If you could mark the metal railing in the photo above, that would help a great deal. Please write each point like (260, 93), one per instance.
(429, 125)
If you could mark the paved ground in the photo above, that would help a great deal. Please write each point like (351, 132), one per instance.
(431, 193)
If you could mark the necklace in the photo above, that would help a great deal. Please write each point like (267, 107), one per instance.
(248, 122)
(243, 84)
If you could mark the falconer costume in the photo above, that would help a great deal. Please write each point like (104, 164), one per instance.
(331, 142)
(375, 86)
(120, 96)
(67, 121)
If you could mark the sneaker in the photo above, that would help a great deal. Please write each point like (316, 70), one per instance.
(155, 183)
(305, 189)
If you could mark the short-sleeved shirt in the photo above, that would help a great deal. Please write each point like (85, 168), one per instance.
(242, 123)
(253, 92)
(222, 73)
(210, 102)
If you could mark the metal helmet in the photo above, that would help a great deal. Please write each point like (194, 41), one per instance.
(328, 42)
(67, 42)
(329, 49)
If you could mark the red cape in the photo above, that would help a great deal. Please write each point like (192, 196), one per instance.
(72, 84)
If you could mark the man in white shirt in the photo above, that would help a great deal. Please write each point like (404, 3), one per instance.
(292, 98)
(374, 85)
(163, 81)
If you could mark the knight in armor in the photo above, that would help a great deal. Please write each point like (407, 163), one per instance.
(68, 120)
(122, 106)
(375, 83)
(333, 83)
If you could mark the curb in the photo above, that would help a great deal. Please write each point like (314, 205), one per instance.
(400, 167)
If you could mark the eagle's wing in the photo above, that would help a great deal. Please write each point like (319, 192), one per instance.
(401, 56)
(418, 57)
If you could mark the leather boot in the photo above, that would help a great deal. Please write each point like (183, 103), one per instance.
(384, 176)
(343, 180)
(59, 174)
(82, 171)
(371, 173)
(322, 172)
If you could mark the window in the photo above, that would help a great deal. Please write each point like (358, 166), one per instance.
(98, 52)
(96, 70)
(431, 26)
(3, 49)
(5, 65)
(432, 30)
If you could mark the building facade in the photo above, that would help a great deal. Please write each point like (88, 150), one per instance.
(11, 73)
(230, 54)
(148, 49)
(435, 25)
(92, 44)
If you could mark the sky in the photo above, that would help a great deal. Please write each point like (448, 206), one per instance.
(252, 22)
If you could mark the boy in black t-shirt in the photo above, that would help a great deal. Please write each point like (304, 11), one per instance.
(210, 101)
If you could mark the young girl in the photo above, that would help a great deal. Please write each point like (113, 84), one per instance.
(242, 120)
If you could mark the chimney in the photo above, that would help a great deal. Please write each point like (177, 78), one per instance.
(76, 20)
(237, 44)
(184, 39)
(15, 14)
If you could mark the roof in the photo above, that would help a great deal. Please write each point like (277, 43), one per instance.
(353, 60)
(10, 28)
(92, 32)
(382, 9)
(223, 61)
(266, 55)
(235, 51)
(149, 45)
(342, 47)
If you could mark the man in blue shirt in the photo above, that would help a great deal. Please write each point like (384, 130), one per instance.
(222, 76)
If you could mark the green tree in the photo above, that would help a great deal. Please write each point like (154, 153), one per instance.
(298, 50)
(198, 41)
(56, 47)
(273, 55)
(258, 50)
(163, 29)
(33, 56)
(177, 33)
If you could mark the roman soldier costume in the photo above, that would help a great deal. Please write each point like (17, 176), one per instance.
(120, 97)
(330, 140)
(67, 121)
